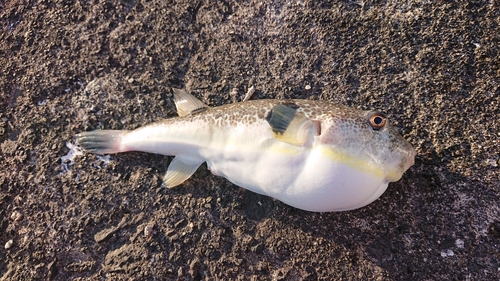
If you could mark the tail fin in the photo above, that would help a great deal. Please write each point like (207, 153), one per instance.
(102, 141)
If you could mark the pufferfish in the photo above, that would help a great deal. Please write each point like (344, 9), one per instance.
(312, 155)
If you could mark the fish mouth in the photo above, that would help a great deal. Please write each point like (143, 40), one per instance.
(407, 159)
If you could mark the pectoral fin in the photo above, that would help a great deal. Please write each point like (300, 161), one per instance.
(179, 170)
(292, 127)
(186, 103)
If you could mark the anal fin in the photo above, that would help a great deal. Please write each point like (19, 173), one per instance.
(179, 170)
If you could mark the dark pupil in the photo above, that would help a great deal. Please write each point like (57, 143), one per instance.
(378, 120)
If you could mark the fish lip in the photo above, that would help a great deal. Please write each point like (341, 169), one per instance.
(411, 159)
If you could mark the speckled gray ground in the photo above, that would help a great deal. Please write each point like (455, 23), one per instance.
(69, 66)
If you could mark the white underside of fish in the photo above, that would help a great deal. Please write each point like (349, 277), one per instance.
(302, 177)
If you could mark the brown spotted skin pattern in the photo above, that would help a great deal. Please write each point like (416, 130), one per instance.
(252, 111)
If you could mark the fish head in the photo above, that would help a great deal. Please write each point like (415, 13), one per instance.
(366, 141)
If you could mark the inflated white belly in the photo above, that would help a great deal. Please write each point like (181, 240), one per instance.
(308, 179)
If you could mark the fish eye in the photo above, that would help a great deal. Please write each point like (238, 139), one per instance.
(377, 120)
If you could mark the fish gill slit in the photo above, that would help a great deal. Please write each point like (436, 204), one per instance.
(317, 123)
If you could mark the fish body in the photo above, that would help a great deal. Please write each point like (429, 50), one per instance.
(312, 155)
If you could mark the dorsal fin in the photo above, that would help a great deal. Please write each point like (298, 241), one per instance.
(186, 103)
(292, 127)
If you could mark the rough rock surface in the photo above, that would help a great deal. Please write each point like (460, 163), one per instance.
(68, 66)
